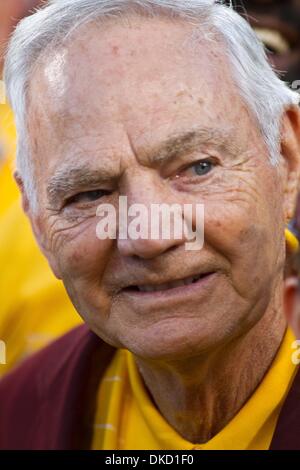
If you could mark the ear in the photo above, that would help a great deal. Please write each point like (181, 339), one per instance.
(290, 151)
(37, 226)
(292, 304)
(25, 201)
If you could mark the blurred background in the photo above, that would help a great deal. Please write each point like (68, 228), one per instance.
(34, 308)
(277, 23)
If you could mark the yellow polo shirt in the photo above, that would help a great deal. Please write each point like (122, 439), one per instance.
(126, 418)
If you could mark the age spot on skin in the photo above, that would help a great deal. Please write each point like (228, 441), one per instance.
(115, 50)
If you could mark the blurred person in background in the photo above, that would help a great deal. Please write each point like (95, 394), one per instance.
(277, 24)
(34, 308)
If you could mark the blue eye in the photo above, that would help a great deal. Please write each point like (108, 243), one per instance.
(203, 167)
(199, 168)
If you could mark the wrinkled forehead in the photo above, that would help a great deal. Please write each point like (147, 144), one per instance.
(117, 53)
(140, 75)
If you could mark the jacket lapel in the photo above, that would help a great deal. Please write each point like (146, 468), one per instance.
(69, 392)
(287, 432)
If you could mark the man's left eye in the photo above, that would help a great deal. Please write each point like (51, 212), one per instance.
(87, 196)
(199, 168)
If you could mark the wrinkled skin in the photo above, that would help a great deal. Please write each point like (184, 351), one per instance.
(280, 18)
(283, 17)
(105, 102)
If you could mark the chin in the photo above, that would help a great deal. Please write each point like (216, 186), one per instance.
(172, 343)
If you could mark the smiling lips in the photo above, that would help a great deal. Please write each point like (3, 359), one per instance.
(168, 285)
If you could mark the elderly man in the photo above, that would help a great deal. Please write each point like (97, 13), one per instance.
(161, 102)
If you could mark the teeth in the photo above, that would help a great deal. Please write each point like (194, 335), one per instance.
(169, 285)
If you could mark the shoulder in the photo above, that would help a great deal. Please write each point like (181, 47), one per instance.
(37, 395)
(46, 364)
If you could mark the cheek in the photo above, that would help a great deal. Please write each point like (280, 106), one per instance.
(83, 264)
(248, 213)
(249, 242)
(231, 230)
(83, 258)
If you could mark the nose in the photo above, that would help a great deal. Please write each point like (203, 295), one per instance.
(146, 249)
(149, 230)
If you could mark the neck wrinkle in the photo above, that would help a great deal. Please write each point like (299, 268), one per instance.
(198, 406)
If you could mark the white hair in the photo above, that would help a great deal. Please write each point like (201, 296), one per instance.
(261, 89)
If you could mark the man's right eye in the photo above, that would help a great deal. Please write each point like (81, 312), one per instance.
(86, 197)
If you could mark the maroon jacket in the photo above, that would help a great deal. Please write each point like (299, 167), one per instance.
(49, 401)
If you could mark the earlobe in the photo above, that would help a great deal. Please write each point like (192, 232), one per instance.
(290, 151)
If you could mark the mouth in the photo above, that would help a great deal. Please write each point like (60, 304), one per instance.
(170, 286)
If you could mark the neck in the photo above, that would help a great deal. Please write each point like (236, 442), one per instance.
(200, 405)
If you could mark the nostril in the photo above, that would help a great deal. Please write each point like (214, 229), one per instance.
(146, 248)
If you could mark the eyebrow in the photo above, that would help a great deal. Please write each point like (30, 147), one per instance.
(189, 141)
(67, 180)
